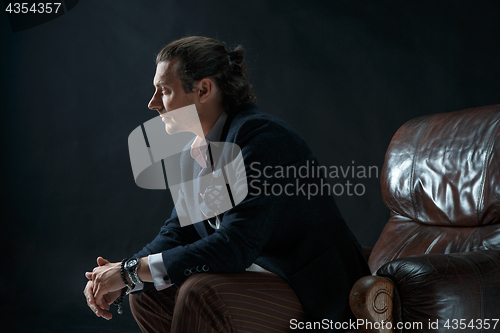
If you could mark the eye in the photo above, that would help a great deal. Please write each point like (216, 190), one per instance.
(165, 90)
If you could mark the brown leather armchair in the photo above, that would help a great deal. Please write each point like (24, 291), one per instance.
(436, 264)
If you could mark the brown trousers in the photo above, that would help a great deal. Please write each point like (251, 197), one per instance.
(245, 302)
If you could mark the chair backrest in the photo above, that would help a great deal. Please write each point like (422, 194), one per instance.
(441, 181)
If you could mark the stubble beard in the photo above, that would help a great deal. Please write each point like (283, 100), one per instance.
(174, 127)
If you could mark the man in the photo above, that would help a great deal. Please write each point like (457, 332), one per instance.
(199, 271)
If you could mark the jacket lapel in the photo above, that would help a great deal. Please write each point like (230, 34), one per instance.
(203, 228)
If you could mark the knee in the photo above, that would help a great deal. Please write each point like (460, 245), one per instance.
(198, 301)
(193, 285)
(136, 301)
(196, 290)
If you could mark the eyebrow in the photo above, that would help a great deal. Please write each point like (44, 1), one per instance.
(161, 83)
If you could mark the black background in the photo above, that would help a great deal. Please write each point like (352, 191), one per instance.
(344, 74)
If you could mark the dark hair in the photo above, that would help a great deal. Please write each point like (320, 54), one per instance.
(201, 57)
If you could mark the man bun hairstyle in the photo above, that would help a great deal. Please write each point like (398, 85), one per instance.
(201, 57)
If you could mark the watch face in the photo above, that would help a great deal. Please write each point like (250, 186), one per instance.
(132, 262)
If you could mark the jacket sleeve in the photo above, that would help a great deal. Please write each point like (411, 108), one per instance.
(171, 235)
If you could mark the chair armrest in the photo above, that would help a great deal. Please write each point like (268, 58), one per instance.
(372, 299)
(436, 291)
(446, 290)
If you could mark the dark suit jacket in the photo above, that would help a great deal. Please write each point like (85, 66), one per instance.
(304, 240)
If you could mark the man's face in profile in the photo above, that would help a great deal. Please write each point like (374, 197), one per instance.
(169, 96)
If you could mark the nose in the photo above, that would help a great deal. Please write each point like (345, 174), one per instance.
(155, 102)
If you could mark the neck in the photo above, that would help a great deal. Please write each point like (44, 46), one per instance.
(209, 123)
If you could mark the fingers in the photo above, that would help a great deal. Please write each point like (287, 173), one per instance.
(107, 302)
(94, 292)
(94, 286)
(101, 261)
(107, 315)
(97, 278)
(107, 276)
(91, 302)
(101, 290)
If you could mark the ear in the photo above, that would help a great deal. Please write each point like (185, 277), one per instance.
(206, 90)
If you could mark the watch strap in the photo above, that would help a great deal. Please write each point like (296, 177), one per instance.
(132, 271)
(130, 286)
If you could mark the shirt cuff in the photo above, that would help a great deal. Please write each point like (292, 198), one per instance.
(138, 287)
(158, 272)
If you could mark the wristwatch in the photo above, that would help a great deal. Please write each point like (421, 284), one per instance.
(131, 269)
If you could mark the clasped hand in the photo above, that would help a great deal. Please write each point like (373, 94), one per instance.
(104, 287)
